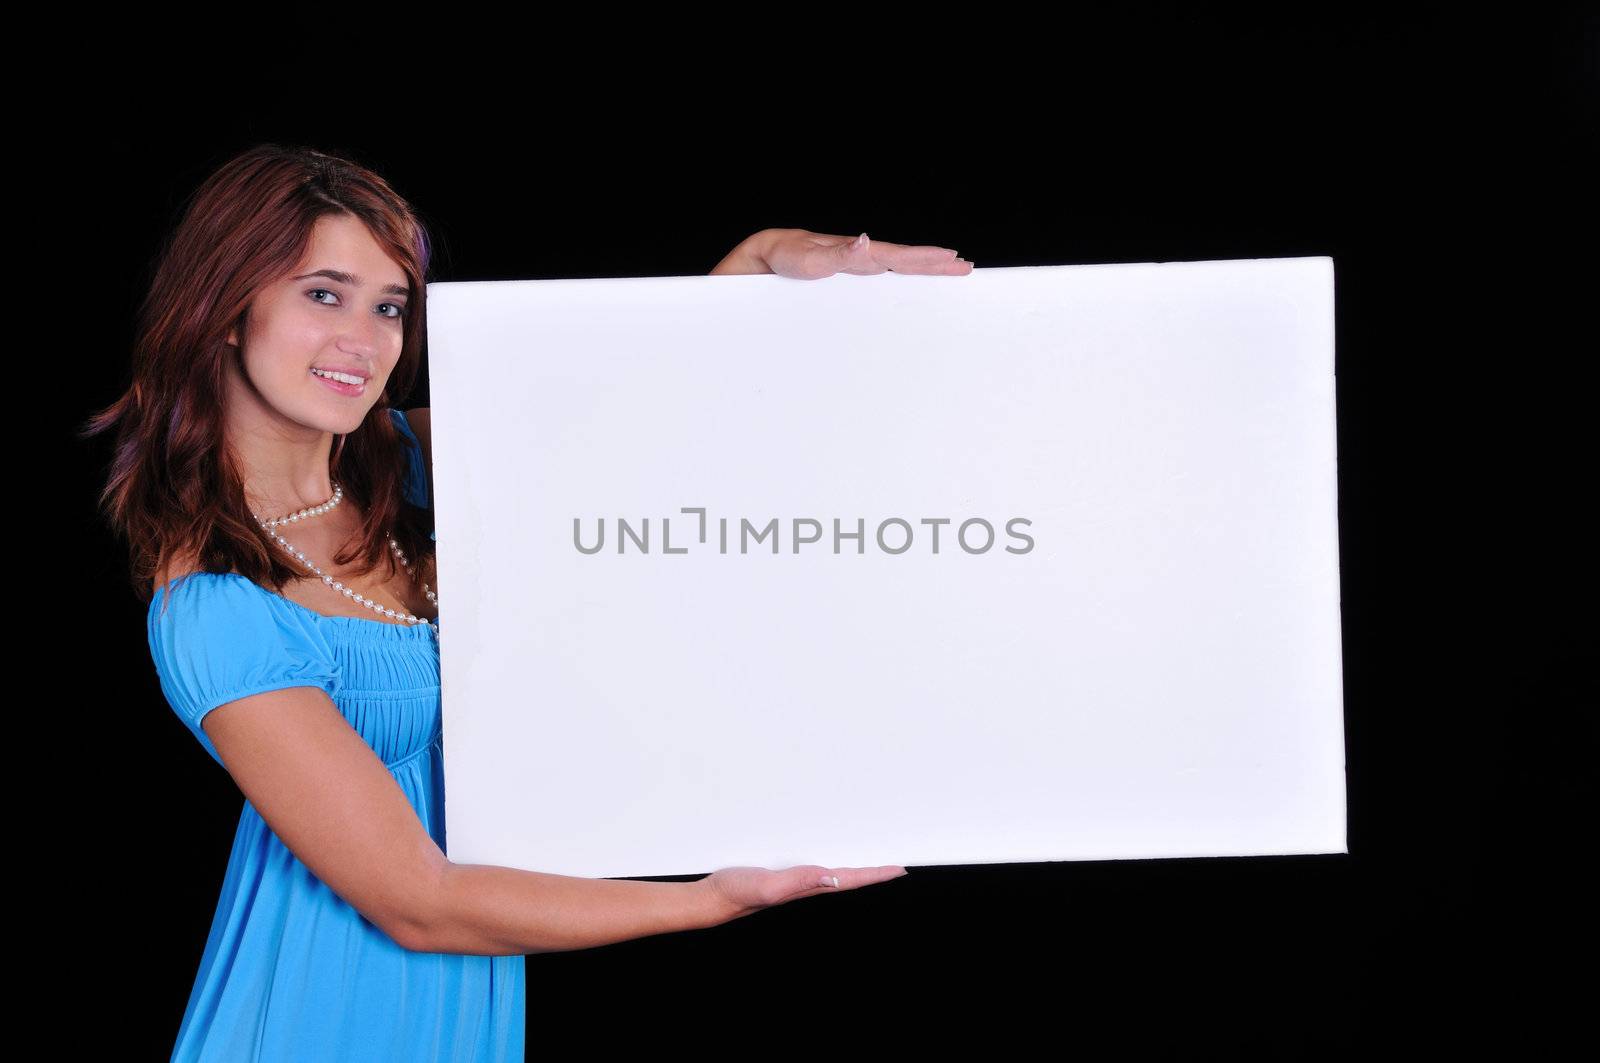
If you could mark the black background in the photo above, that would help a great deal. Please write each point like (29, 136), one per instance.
(1438, 160)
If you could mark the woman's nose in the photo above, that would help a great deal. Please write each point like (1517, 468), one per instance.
(363, 337)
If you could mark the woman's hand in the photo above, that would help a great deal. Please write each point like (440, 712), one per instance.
(807, 256)
(742, 890)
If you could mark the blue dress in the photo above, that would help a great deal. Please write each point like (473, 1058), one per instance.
(290, 970)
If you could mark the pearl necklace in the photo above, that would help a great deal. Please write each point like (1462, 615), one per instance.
(312, 511)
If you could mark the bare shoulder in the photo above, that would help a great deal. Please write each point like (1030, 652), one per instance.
(177, 566)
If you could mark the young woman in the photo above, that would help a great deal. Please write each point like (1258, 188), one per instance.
(276, 501)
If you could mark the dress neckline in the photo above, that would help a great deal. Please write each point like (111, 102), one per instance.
(401, 630)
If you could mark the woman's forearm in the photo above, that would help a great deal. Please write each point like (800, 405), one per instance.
(485, 910)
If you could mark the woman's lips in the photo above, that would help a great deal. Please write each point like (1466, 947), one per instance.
(349, 390)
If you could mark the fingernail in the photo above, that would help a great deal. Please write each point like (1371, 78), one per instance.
(861, 241)
(828, 880)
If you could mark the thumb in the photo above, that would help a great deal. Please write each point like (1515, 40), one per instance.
(850, 247)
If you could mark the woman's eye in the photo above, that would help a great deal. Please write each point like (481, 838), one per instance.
(398, 308)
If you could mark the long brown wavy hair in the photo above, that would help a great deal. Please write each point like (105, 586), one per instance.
(173, 489)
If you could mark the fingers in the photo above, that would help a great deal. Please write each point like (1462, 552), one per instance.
(859, 256)
(811, 880)
(805, 255)
(838, 879)
(866, 876)
(865, 256)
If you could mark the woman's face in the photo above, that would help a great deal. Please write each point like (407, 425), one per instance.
(340, 311)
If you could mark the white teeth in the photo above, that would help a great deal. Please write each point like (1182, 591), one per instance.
(343, 378)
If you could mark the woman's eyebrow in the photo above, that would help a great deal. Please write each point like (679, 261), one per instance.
(349, 278)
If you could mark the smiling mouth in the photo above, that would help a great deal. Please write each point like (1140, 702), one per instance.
(341, 382)
(348, 378)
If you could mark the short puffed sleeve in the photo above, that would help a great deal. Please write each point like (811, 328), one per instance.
(216, 638)
(416, 471)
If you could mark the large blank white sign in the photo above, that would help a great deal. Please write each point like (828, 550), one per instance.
(1030, 564)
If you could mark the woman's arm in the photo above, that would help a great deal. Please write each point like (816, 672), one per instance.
(499, 911)
(330, 799)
